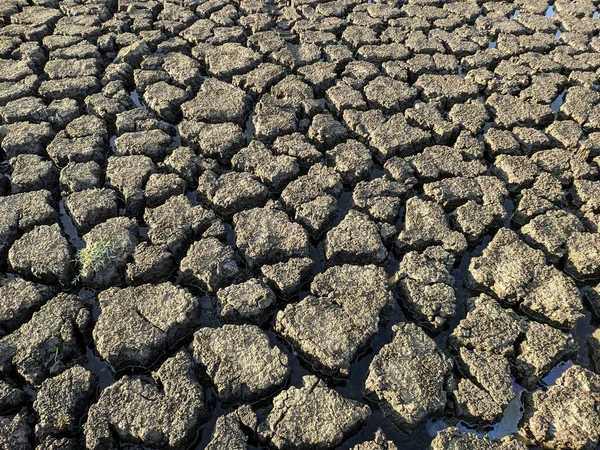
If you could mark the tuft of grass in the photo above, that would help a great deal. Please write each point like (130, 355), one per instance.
(95, 256)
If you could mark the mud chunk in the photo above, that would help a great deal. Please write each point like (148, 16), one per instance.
(209, 265)
(31, 173)
(151, 143)
(594, 350)
(23, 212)
(275, 171)
(78, 87)
(488, 389)
(551, 231)
(327, 418)
(312, 197)
(151, 263)
(259, 80)
(84, 139)
(273, 118)
(250, 301)
(501, 142)
(31, 350)
(541, 350)
(128, 175)
(15, 432)
(320, 75)
(20, 299)
(352, 160)
(342, 96)
(91, 207)
(466, 440)
(517, 172)
(426, 286)
(355, 240)
(453, 192)
(108, 246)
(75, 177)
(162, 186)
(396, 137)
(27, 109)
(11, 397)
(547, 417)
(164, 414)
(518, 274)
(510, 111)
(229, 430)
(326, 131)
(165, 100)
(379, 442)
(429, 116)
(231, 192)
(296, 146)
(288, 277)
(398, 169)
(339, 319)
(266, 235)
(42, 254)
(176, 222)
(182, 69)
(389, 95)
(217, 102)
(407, 378)
(425, 225)
(71, 68)
(447, 89)
(440, 161)
(488, 327)
(63, 400)
(25, 138)
(224, 61)
(530, 139)
(240, 361)
(139, 324)
(471, 115)
(380, 198)
(185, 163)
(565, 133)
(214, 140)
(583, 255)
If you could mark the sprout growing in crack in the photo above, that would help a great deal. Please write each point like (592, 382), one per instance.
(94, 257)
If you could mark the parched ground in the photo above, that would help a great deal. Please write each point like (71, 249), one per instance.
(260, 224)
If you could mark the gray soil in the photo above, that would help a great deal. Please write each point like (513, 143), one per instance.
(299, 224)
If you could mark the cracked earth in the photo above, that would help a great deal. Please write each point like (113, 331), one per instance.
(250, 224)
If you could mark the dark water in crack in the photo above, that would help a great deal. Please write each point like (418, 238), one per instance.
(558, 102)
(135, 97)
(68, 227)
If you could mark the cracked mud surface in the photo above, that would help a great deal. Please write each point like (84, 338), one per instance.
(260, 224)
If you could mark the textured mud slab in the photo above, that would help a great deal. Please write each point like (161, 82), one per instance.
(299, 224)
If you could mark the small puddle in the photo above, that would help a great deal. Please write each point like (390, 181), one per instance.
(595, 15)
(68, 227)
(136, 99)
(113, 148)
(556, 373)
(492, 44)
(558, 102)
(557, 34)
(550, 11)
(512, 415)
(100, 368)
(514, 15)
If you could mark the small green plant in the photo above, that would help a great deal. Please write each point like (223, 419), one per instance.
(94, 257)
